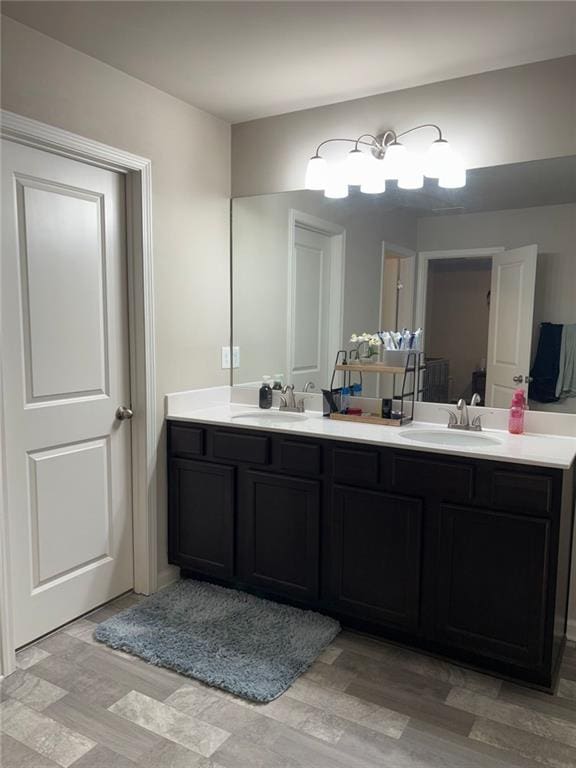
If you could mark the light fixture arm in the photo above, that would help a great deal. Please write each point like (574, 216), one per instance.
(424, 125)
(380, 142)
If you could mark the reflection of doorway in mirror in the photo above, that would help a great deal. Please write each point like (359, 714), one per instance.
(477, 310)
(315, 285)
(457, 319)
(396, 299)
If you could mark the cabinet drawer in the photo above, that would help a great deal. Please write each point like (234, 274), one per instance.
(356, 466)
(518, 491)
(251, 449)
(186, 441)
(301, 458)
(449, 481)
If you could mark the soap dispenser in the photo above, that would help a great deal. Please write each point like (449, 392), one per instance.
(265, 393)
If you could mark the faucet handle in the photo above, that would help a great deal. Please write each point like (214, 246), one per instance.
(476, 399)
(452, 418)
(477, 422)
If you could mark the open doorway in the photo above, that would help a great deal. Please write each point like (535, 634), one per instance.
(464, 299)
(457, 325)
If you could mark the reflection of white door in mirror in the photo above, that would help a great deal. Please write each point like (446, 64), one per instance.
(315, 318)
(511, 317)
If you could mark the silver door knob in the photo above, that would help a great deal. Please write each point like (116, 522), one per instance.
(124, 413)
(518, 379)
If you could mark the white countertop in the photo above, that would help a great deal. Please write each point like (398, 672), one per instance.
(537, 449)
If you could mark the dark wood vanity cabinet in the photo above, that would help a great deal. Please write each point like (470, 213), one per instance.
(201, 530)
(461, 557)
(278, 534)
(376, 554)
(492, 583)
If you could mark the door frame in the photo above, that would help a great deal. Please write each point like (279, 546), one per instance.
(337, 235)
(410, 257)
(424, 259)
(137, 172)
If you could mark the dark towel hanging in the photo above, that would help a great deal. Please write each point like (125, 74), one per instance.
(546, 365)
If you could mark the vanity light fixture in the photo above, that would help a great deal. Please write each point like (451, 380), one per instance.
(376, 159)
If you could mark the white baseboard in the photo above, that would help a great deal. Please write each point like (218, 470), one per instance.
(168, 576)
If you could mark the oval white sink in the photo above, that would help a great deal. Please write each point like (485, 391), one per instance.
(270, 417)
(450, 437)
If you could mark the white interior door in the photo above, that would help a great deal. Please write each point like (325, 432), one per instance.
(310, 348)
(510, 327)
(65, 348)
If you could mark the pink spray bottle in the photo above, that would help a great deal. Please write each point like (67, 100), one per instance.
(517, 408)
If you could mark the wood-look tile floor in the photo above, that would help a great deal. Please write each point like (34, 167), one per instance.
(363, 704)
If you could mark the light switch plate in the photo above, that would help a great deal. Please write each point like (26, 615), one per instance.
(225, 357)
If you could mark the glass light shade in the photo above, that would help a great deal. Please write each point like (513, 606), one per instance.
(454, 176)
(411, 176)
(394, 160)
(316, 173)
(336, 184)
(355, 167)
(438, 159)
(374, 182)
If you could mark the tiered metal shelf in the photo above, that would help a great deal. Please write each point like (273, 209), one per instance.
(404, 400)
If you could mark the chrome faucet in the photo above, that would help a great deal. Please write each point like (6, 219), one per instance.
(464, 421)
(308, 386)
(464, 417)
(288, 400)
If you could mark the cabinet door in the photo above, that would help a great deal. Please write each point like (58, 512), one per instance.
(278, 533)
(201, 517)
(376, 555)
(492, 583)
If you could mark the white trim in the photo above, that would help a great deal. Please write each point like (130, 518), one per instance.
(23, 130)
(405, 253)
(424, 258)
(167, 576)
(337, 235)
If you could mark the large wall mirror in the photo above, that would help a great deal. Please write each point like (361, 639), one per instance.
(488, 271)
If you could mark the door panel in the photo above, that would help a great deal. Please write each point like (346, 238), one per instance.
(310, 308)
(376, 556)
(64, 308)
(493, 571)
(279, 533)
(65, 342)
(63, 482)
(201, 517)
(510, 328)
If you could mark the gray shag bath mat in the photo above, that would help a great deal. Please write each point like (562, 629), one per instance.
(251, 647)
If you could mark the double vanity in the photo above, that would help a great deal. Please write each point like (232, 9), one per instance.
(452, 542)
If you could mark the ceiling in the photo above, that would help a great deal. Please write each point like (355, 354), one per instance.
(246, 60)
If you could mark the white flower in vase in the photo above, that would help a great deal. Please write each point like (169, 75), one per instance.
(366, 346)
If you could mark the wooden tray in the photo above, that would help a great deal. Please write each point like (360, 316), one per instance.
(371, 368)
(368, 419)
